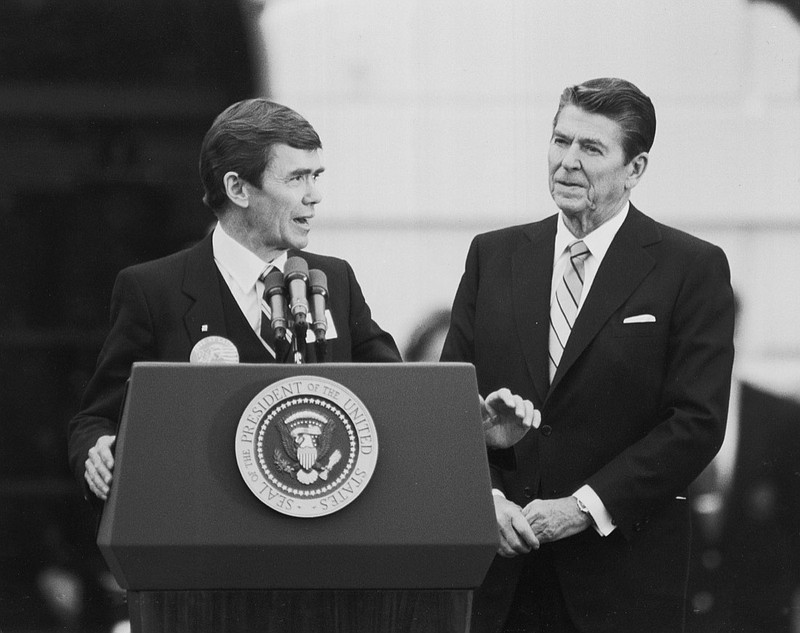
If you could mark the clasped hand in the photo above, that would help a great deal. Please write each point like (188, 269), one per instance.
(541, 521)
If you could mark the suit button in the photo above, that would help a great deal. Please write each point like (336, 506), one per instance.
(527, 492)
(546, 430)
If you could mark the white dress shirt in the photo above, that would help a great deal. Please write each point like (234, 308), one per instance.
(598, 243)
(241, 269)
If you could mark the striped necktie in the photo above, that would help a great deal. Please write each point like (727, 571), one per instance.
(266, 333)
(564, 308)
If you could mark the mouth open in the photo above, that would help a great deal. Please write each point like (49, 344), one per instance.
(304, 222)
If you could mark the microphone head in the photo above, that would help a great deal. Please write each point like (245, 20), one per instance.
(318, 281)
(273, 283)
(295, 268)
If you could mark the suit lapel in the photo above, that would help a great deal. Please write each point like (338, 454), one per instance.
(205, 316)
(624, 267)
(531, 274)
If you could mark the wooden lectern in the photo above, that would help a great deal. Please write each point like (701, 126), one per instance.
(198, 551)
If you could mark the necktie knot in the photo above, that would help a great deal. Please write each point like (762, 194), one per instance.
(263, 278)
(578, 250)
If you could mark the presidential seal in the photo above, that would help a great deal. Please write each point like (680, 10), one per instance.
(306, 446)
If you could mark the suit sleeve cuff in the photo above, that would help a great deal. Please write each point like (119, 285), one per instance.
(601, 519)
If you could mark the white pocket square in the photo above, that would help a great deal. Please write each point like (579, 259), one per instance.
(640, 318)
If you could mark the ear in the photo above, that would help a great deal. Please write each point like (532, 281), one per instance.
(236, 189)
(636, 168)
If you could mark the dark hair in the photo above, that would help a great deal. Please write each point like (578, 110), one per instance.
(620, 101)
(241, 139)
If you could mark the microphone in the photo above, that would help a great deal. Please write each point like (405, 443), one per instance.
(318, 282)
(276, 297)
(296, 276)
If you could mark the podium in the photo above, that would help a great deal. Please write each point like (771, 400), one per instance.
(198, 550)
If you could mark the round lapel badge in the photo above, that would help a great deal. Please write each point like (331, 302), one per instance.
(214, 349)
(306, 446)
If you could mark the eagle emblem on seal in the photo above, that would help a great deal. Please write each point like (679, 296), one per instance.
(306, 446)
(306, 440)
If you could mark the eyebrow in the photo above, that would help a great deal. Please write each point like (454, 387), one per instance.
(305, 172)
(583, 140)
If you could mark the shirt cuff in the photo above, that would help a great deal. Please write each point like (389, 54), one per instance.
(601, 519)
(498, 493)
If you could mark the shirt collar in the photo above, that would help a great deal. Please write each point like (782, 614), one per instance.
(598, 241)
(243, 266)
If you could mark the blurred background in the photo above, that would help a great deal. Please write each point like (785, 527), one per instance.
(435, 119)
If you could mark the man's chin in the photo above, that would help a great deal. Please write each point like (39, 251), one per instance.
(299, 244)
(570, 205)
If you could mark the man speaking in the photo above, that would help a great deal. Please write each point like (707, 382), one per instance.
(260, 163)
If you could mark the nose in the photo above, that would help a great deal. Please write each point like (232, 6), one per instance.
(571, 159)
(313, 194)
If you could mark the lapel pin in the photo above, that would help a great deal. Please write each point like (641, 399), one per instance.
(204, 327)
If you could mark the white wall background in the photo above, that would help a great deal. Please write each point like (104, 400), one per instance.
(435, 116)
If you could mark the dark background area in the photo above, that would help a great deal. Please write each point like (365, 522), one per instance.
(103, 106)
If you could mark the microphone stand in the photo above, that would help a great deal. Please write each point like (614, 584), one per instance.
(299, 343)
(321, 349)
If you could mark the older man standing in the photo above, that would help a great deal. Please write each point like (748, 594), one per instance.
(619, 329)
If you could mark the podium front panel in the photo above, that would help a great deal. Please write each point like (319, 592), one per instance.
(180, 515)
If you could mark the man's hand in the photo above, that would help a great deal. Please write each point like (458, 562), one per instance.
(99, 466)
(554, 519)
(516, 536)
(507, 418)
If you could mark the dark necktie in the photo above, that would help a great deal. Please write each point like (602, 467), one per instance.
(266, 333)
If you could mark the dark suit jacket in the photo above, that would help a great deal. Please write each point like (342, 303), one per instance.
(635, 410)
(746, 568)
(161, 309)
